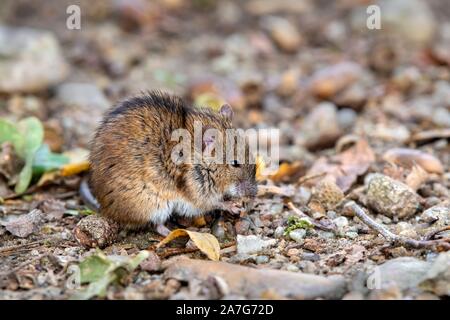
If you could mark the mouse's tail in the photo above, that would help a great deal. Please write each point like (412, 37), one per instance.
(87, 196)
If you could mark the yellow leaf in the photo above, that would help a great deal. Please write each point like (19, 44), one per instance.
(260, 166)
(205, 242)
(286, 170)
(74, 168)
(47, 177)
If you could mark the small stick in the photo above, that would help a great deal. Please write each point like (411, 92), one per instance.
(17, 248)
(433, 233)
(263, 190)
(303, 179)
(24, 264)
(176, 251)
(301, 214)
(392, 237)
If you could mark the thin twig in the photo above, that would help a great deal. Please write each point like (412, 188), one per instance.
(24, 264)
(263, 190)
(301, 214)
(433, 233)
(176, 251)
(438, 245)
(303, 179)
(26, 246)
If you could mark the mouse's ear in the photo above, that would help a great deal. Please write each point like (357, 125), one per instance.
(226, 111)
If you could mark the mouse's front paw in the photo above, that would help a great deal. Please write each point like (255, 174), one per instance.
(232, 207)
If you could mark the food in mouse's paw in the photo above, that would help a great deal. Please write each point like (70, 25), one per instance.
(143, 170)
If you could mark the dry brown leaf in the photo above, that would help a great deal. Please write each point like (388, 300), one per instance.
(409, 157)
(428, 135)
(395, 172)
(205, 242)
(345, 167)
(416, 177)
(327, 82)
(24, 225)
(286, 171)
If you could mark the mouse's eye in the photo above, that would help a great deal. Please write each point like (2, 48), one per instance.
(235, 163)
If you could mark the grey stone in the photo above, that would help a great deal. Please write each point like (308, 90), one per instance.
(279, 232)
(341, 222)
(435, 213)
(253, 283)
(351, 234)
(310, 256)
(437, 278)
(297, 235)
(83, 107)
(409, 20)
(391, 197)
(261, 259)
(30, 61)
(253, 244)
(404, 272)
(82, 95)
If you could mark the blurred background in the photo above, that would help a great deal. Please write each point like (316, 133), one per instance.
(345, 95)
(311, 68)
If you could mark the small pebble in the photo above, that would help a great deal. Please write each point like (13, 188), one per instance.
(391, 197)
(279, 232)
(276, 208)
(242, 226)
(351, 234)
(253, 244)
(341, 222)
(292, 268)
(331, 214)
(293, 252)
(325, 234)
(297, 235)
(261, 259)
(310, 256)
(307, 266)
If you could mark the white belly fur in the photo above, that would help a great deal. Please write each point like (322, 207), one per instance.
(179, 207)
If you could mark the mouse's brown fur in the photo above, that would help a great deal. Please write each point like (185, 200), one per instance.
(133, 176)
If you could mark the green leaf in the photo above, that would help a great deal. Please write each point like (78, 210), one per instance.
(94, 267)
(32, 131)
(136, 261)
(45, 160)
(100, 271)
(9, 133)
(295, 222)
(24, 177)
(96, 288)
